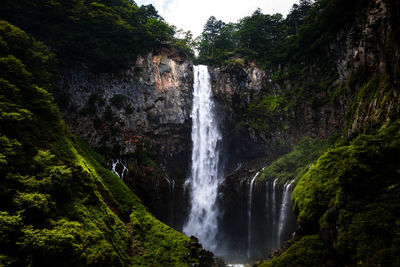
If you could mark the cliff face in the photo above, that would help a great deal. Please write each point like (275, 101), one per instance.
(369, 46)
(354, 91)
(149, 101)
(358, 89)
(235, 88)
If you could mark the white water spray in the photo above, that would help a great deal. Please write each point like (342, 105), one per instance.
(249, 214)
(124, 168)
(204, 178)
(274, 209)
(284, 208)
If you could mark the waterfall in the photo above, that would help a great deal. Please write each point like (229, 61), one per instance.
(274, 209)
(249, 214)
(204, 180)
(267, 200)
(284, 208)
(124, 172)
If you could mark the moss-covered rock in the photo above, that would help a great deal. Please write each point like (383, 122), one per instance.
(347, 205)
(295, 164)
(308, 251)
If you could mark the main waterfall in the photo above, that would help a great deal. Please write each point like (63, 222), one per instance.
(204, 178)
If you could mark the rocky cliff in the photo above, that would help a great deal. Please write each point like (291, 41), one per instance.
(353, 85)
(340, 79)
(150, 101)
(141, 114)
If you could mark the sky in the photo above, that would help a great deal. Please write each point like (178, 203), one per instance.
(193, 14)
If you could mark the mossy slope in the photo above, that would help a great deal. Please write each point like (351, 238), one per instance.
(58, 204)
(295, 164)
(347, 205)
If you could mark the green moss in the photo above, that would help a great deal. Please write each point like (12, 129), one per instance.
(315, 189)
(353, 191)
(371, 101)
(162, 246)
(308, 251)
(296, 163)
(268, 113)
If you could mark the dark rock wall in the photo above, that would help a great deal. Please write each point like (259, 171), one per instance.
(150, 100)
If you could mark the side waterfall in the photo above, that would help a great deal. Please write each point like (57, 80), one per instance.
(284, 208)
(204, 180)
(249, 214)
(124, 168)
(274, 209)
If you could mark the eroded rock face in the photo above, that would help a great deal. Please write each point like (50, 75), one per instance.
(234, 88)
(150, 102)
(152, 99)
(369, 44)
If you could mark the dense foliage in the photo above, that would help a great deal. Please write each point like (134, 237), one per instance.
(272, 39)
(105, 34)
(58, 204)
(349, 197)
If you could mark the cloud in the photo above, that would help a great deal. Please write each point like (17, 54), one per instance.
(193, 14)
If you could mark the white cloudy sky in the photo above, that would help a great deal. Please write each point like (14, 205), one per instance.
(193, 14)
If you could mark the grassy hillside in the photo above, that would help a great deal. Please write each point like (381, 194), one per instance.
(59, 205)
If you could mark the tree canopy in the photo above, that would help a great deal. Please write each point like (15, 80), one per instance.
(106, 34)
(273, 39)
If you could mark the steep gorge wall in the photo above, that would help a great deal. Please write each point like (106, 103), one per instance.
(360, 89)
(149, 101)
(342, 104)
(143, 115)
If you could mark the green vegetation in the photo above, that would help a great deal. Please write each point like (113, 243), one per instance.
(308, 251)
(106, 35)
(295, 164)
(272, 39)
(58, 204)
(378, 92)
(267, 114)
(351, 194)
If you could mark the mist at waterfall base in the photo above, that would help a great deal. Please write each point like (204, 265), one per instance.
(253, 225)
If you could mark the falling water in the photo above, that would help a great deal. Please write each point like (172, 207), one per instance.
(284, 208)
(124, 168)
(249, 214)
(267, 200)
(204, 178)
(274, 208)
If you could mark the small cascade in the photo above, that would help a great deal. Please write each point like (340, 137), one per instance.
(125, 170)
(238, 167)
(284, 209)
(168, 180)
(267, 201)
(274, 208)
(249, 214)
